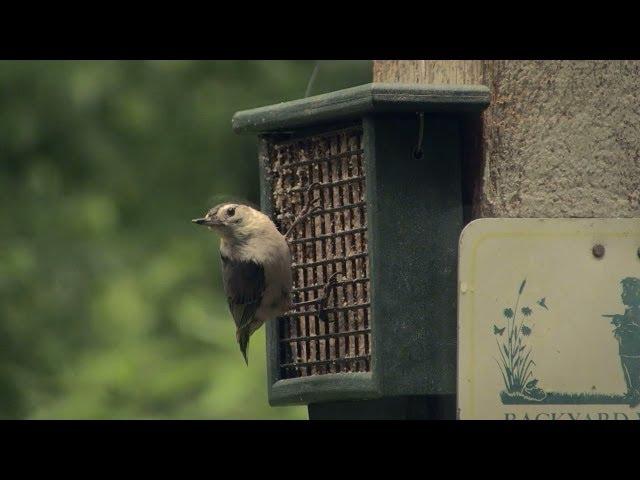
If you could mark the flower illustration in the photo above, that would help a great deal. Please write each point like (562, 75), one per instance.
(515, 360)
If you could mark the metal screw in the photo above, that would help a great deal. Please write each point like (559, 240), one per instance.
(598, 251)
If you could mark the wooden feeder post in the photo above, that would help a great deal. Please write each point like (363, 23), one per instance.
(375, 172)
(559, 139)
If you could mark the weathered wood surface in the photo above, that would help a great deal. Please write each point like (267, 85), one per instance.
(459, 72)
(560, 138)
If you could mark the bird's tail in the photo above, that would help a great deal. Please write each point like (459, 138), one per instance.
(243, 341)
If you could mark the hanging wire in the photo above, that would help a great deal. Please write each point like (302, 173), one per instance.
(417, 151)
(312, 79)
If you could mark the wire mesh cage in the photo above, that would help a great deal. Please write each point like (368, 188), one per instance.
(372, 229)
(327, 329)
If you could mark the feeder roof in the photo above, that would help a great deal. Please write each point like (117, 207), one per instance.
(356, 102)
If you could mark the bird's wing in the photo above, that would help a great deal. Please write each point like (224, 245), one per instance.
(244, 286)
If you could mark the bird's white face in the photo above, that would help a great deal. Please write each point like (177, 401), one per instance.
(225, 217)
(232, 220)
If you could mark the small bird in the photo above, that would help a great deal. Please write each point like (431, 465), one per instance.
(256, 266)
(498, 331)
(542, 303)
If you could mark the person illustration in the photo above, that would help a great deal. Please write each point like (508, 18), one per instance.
(627, 332)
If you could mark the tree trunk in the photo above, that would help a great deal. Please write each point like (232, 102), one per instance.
(560, 138)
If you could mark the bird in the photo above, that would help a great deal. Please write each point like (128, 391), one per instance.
(256, 266)
(498, 331)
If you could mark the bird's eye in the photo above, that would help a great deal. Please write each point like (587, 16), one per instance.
(231, 212)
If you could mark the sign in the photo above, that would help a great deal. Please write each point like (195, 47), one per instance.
(549, 319)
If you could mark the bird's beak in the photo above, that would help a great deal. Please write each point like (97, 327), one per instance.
(206, 222)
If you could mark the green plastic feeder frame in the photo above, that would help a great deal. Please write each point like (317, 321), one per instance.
(370, 179)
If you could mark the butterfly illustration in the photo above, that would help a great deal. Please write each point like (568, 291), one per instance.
(498, 331)
(542, 304)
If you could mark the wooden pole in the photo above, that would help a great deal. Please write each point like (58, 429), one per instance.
(560, 139)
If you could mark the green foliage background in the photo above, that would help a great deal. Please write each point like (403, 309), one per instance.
(110, 299)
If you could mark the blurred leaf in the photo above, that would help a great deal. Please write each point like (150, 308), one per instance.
(110, 299)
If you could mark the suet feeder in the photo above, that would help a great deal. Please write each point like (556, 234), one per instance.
(367, 181)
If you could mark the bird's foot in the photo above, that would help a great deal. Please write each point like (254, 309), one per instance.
(310, 206)
(326, 291)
